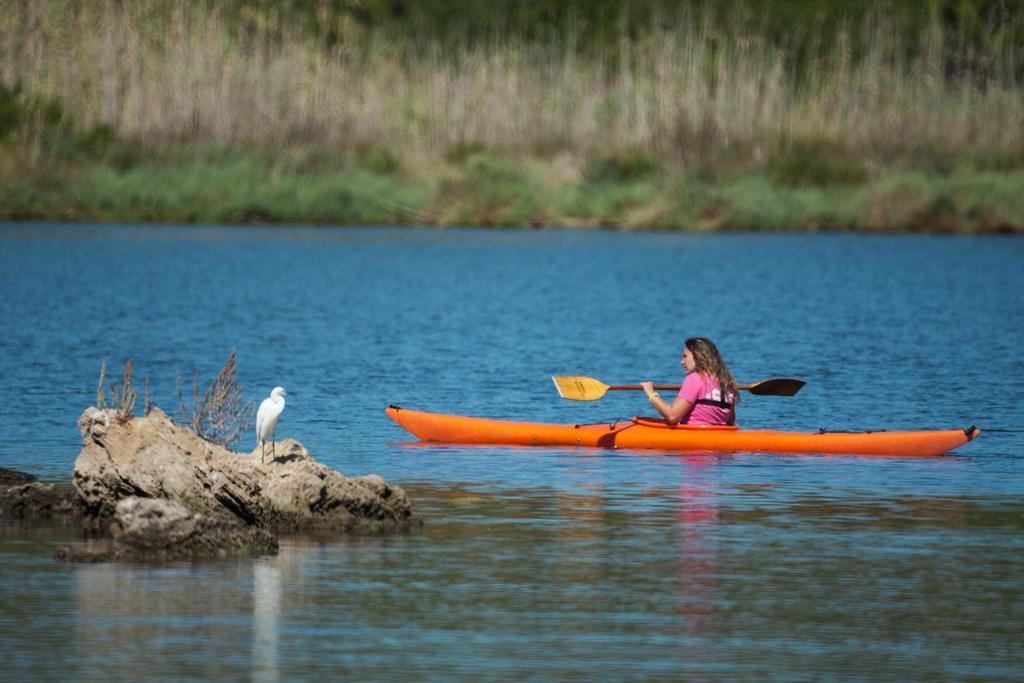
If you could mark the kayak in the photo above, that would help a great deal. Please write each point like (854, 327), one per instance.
(646, 432)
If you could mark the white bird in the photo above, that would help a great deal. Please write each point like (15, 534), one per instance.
(266, 419)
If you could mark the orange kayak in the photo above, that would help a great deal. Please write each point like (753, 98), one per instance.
(644, 432)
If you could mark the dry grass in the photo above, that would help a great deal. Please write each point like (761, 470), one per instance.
(123, 397)
(220, 414)
(683, 94)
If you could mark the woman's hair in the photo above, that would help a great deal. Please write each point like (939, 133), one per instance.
(708, 361)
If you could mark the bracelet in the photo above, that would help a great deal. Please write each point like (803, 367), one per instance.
(654, 395)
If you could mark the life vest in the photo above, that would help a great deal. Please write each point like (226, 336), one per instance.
(724, 405)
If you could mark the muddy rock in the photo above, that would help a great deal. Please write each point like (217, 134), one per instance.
(11, 477)
(147, 529)
(38, 501)
(151, 457)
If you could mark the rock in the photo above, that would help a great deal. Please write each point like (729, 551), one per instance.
(95, 421)
(152, 529)
(11, 477)
(36, 501)
(151, 457)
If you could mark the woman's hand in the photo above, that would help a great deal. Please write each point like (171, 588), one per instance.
(672, 412)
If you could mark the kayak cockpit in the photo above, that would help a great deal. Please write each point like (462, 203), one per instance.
(660, 423)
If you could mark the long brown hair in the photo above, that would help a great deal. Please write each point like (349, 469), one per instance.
(708, 361)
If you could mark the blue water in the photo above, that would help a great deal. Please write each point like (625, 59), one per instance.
(540, 563)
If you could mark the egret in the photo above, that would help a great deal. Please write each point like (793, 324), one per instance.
(266, 419)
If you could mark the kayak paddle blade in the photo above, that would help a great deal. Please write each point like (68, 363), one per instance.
(782, 386)
(580, 388)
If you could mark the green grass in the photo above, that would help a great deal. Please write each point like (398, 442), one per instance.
(226, 191)
(215, 185)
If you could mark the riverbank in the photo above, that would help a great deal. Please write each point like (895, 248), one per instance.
(215, 186)
(840, 116)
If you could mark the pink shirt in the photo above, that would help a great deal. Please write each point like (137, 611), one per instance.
(697, 386)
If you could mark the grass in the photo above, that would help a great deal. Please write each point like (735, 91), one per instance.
(156, 71)
(228, 190)
(171, 111)
(487, 190)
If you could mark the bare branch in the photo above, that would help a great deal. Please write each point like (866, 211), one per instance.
(123, 398)
(101, 399)
(221, 414)
(147, 399)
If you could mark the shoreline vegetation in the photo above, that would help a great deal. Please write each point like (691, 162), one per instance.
(737, 115)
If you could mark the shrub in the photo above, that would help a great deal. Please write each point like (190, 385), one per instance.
(10, 110)
(817, 163)
(489, 192)
(622, 168)
(123, 397)
(19, 109)
(220, 414)
(458, 152)
(380, 160)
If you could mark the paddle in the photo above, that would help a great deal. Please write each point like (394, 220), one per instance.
(590, 389)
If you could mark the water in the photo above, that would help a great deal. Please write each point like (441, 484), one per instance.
(540, 563)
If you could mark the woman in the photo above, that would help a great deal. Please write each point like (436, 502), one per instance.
(708, 395)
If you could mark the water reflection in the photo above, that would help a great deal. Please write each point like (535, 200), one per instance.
(697, 559)
(294, 235)
(701, 577)
(171, 619)
(266, 595)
